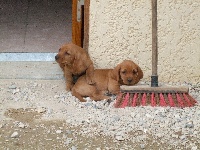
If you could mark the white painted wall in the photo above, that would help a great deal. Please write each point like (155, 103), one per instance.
(122, 30)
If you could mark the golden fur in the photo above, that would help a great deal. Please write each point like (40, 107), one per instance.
(126, 73)
(74, 61)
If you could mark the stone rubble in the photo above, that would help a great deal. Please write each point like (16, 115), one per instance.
(170, 125)
(160, 122)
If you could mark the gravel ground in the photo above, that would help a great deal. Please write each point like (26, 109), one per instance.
(40, 114)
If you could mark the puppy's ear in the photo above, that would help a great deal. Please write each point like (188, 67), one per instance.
(70, 54)
(140, 73)
(115, 74)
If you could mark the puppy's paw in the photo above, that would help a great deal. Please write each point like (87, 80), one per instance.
(69, 87)
(82, 100)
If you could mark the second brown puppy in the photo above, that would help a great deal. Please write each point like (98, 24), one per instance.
(126, 73)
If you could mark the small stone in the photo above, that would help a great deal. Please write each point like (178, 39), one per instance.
(132, 114)
(56, 96)
(74, 148)
(149, 116)
(116, 118)
(194, 148)
(15, 91)
(174, 135)
(142, 146)
(21, 125)
(159, 135)
(189, 125)
(176, 116)
(88, 104)
(68, 141)
(15, 135)
(58, 131)
(119, 137)
(195, 132)
(81, 106)
(182, 137)
(69, 132)
(145, 130)
(12, 87)
(49, 139)
(41, 110)
(68, 121)
(35, 84)
(49, 111)
(1, 125)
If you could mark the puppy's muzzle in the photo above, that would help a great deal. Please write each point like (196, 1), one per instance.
(129, 80)
(56, 57)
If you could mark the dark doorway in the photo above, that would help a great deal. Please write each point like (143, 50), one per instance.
(35, 25)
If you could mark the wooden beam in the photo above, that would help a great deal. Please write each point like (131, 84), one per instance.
(86, 24)
(76, 25)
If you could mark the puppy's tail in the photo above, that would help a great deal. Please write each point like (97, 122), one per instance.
(77, 95)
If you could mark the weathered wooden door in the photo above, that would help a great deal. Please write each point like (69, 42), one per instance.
(80, 22)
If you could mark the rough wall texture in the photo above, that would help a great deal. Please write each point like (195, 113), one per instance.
(122, 30)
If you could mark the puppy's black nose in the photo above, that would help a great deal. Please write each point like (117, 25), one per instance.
(56, 57)
(129, 80)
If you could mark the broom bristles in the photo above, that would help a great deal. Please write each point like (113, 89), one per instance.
(187, 100)
(192, 99)
(134, 99)
(118, 100)
(162, 100)
(171, 101)
(153, 102)
(155, 96)
(126, 100)
(144, 97)
(180, 101)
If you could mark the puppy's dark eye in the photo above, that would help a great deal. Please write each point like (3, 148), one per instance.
(59, 50)
(124, 72)
(66, 53)
(135, 71)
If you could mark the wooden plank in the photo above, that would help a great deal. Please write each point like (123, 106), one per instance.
(148, 89)
(76, 26)
(86, 24)
(154, 38)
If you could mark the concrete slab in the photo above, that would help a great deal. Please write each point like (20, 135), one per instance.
(27, 57)
(30, 70)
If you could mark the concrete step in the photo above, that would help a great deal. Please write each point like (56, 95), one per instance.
(41, 70)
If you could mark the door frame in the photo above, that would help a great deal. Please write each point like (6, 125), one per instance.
(80, 29)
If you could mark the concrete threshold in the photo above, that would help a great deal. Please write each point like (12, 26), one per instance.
(38, 66)
(27, 56)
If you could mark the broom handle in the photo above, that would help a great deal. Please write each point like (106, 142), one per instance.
(154, 77)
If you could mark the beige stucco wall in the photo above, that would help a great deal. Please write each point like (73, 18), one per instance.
(122, 30)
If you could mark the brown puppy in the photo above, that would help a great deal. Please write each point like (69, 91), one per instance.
(74, 61)
(126, 73)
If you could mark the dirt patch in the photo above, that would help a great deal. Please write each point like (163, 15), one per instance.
(34, 133)
(23, 115)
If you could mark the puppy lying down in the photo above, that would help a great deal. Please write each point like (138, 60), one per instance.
(107, 80)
